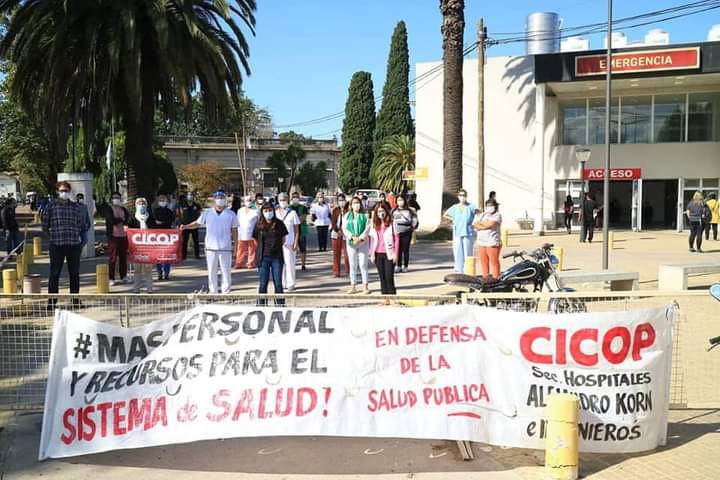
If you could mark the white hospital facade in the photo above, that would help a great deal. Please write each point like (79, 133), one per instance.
(665, 132)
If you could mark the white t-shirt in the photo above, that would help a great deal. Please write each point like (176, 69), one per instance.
(247, 218)
(219, 229)
(290, 219)
(322, 214)
(489, 237)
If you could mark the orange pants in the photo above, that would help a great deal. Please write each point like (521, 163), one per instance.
(245, 248)
(489, 261)
(339, 248)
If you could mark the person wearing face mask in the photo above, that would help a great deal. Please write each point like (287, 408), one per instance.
(405, 222)
(164, 218)
(221, 224)
(302, 213)
(80, 199)
(287, 215)
(63, 222)
(461, 216)
(356, 228)
(270, 234)
(246, 246)
(488, 244)
(144, 220)
(259, 202)
(116, 218)
(320, 213)
(384, 248)
(190, 211)
(338, 242)
(11, 226)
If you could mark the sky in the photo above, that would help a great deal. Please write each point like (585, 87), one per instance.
(305, 51)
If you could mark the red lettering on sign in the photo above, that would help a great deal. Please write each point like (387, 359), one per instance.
(615, 173)
(643, 61)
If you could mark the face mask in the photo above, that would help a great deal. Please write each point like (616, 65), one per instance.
(283, 204)
(190, 198)
(401, 203)
(116, 201)
(268, 215)
(295, 201)
(462, 198)
(381, 214)
(220, 202)
(259, 201)
(63, 195)
(81, 200)
(248, 203)
(341, 203)
(356, 207)
(142, 209)
(162, 204)
(321, 200)
(490, 209)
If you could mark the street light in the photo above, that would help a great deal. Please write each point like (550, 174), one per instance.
(280, 182)
(582, 155)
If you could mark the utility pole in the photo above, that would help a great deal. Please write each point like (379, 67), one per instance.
(606, 178)
(481, 36)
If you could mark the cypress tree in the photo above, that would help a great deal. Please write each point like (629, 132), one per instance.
(356, 155)
(394, 117)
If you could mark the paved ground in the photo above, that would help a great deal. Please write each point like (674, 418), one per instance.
(693, 451)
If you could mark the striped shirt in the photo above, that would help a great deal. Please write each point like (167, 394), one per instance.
(63, 221)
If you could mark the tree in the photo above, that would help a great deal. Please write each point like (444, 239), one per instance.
(278, 168)
(293, 136)
(311, 177)
(83, 62)
(204, 178)
(356, 153)
(394, 116)
(395, 157)
(452, 32)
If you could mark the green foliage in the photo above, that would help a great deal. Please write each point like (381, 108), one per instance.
(285, 164)
(396, 156)
(312, 177)
(278, 167)
(394, 116)
(357, 134)
(88, 61)
(291, 135)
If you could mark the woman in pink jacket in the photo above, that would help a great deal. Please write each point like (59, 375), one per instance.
(384, 247)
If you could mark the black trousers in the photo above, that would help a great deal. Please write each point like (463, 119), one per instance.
(707, 228)
(196, 243)
(58, 255)
(588, 229)
(322, 233)
(568, 221)
(696, 233)
(386, 272)
(404, 256)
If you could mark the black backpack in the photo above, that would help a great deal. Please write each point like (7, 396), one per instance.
(706, 213)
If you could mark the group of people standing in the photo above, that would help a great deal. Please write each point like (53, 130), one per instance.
(703, 216)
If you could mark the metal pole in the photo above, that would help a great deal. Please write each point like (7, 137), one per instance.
(73, 148)
(481, 113)
(606, 178)
(112, 154)
(582, 202)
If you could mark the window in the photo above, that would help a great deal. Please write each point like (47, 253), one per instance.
(574, 117)
(703, 111)
(635, 120)
(669, 118)
(596, 120)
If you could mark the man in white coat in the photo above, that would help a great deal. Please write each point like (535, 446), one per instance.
(222, 224)
(292, 222)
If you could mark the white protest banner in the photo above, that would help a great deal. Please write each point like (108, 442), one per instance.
(457, 372)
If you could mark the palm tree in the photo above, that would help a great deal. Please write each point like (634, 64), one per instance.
(452, 32)
(82, 61)
(397, 155)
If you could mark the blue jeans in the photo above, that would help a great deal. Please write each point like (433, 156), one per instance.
(163, 269)
(462, 247)
(266, 266)
(12, 238)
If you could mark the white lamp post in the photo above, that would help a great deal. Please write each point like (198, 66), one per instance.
(582, 155)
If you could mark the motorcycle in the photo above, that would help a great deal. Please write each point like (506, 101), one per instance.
(534, 272)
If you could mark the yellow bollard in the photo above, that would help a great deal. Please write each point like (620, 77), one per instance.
(28, 256)
(20, 265)
(469, 266)
(504, 237)
(37, 246)
(561, 441)
(102, 278)
(36, 218)
(9, 276)
(561, 258)
(611, 240)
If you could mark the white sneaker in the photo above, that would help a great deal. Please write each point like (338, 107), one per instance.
(124, 280)
(404, 269)
(290, 289)
(397, 269)
(115, 282)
